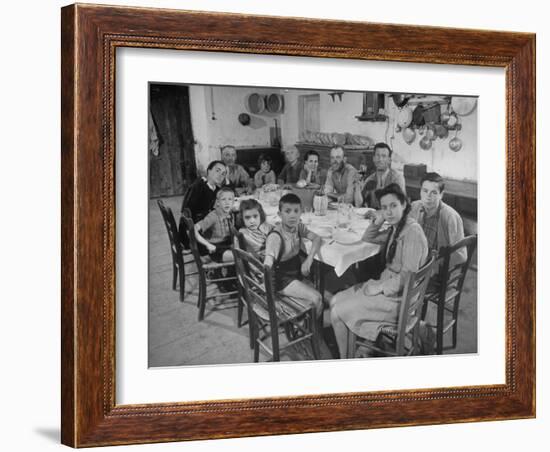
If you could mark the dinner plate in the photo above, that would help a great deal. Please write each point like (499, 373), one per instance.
(324, 232)
(345, 237)
(361, 211)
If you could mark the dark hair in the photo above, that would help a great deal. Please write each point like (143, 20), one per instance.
(383, 146)
(312, 152)
(213, 164)
(289, 198)
(337, 146)
(394, 189)
(227, 146)
(433, 177)
(251, 204)
(224, 189)
(264, 158)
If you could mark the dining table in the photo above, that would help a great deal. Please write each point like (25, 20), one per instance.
(341, 247)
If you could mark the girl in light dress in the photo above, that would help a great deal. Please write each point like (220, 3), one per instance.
(367, 307)
(256, 229)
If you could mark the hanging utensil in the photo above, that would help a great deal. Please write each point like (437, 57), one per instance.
(455, 144)
(426, 143)
(463, 106)
(404, 117)
(409, 135)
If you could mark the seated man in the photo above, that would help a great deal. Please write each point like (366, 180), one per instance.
(291, 171)
(201, 195)
(237, 178)
(442, 224)
(384, 175)
(340, 176)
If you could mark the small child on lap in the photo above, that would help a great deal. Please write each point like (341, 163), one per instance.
(213, 232)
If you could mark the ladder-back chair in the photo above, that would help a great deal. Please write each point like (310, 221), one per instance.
(401, 339)
(270, 312)
(177, 250)
(204, 269)
(445, 289)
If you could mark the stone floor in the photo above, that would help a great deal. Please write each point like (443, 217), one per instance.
(176, 337)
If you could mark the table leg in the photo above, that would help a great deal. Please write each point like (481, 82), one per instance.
(318, 279)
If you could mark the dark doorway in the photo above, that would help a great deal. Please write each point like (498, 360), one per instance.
(172, 166)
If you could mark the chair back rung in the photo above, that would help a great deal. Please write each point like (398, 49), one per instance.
(452, 276)
(268, 310)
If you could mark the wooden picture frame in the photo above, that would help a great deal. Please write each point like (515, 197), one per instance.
(90, 36)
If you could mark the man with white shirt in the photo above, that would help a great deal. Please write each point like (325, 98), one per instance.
(340, 177)
(442, 224)
(383, 176)
(237, 178)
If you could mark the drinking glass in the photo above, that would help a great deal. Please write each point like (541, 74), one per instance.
(344, 216)
(307, 215)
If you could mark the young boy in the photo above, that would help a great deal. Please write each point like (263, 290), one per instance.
(283, 246)
(213, 231)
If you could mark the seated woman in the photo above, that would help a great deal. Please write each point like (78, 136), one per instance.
(265, 174)
(367, 307)
(201, 195)
(311, 176)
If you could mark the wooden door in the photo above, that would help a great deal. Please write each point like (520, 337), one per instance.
(174, 167)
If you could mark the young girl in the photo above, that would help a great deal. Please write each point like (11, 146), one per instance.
(213, 232)
(365, 308)
(255, 230)
(283, 246)
(265, 175)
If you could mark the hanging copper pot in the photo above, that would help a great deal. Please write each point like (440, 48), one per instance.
(441, 131)
(455, 144)
(409, 135)
(426, 143)
(404, 117)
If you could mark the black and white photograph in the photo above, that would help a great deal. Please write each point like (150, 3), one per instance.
(292, 224)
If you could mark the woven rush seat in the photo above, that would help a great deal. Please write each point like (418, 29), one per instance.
(270, 312)
(404, 335)
(287, 308)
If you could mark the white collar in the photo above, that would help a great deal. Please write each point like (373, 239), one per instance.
(210, 186)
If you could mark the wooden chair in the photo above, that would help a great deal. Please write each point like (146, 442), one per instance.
(238, 243)
(401, 339)
(270, 312)
(205, 267)
(446, 288)
(177, 250)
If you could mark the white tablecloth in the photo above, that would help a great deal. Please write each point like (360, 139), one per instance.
(332, 253)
